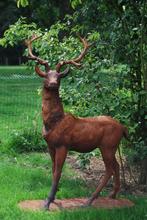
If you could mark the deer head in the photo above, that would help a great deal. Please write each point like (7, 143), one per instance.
(53, 77)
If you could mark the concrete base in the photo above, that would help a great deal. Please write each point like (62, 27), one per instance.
(101, 202)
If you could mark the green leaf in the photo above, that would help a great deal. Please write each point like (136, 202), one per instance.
(18, 3)
(22, 3)
(75, 3)
(3, 42)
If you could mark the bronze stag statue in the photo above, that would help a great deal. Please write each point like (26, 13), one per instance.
(64, 132)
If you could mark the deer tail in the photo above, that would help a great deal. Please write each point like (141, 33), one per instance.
(122, 168)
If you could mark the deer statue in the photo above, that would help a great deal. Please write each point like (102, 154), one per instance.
(64, 132)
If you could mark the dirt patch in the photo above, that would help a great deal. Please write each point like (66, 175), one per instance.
(96, 169)
(58, 205)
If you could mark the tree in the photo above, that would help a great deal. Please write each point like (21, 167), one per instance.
(130, 40)
(123, 27)
(43, 12)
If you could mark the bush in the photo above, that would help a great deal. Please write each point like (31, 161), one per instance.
(25, 141)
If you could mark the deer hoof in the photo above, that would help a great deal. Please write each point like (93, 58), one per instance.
(87, 204)
(46, 205)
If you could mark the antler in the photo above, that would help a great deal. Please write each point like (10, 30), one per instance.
(75, 61)
(31, 56)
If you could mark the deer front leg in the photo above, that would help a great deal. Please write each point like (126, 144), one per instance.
(60, 156)
(52, 152)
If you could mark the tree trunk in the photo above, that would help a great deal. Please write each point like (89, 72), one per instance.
(143, 174)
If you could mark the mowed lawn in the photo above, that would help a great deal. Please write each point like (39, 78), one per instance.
(28, 176)
(20, 101)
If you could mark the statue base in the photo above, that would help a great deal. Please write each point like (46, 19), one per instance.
(58, 205)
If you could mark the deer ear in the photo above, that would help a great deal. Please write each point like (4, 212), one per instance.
(65, 72)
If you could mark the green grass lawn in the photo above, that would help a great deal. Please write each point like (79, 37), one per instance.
(7, 70)
(20, 103)
(28, 176)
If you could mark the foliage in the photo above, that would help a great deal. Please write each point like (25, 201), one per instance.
(122, 26)
(49, 43)
(25, 141)
(43, 12)
(18, 32)
(75, 3)
(22, 3)
(84, 159)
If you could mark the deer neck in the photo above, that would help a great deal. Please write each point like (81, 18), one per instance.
(52, 108)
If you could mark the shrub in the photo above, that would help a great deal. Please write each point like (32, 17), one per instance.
(25, 141)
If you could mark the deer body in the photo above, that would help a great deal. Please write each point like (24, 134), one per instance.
(78, 134)
(64, 132)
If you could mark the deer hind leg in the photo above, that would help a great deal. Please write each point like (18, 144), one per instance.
(108, 157)
(60, 156)
(116, 176)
